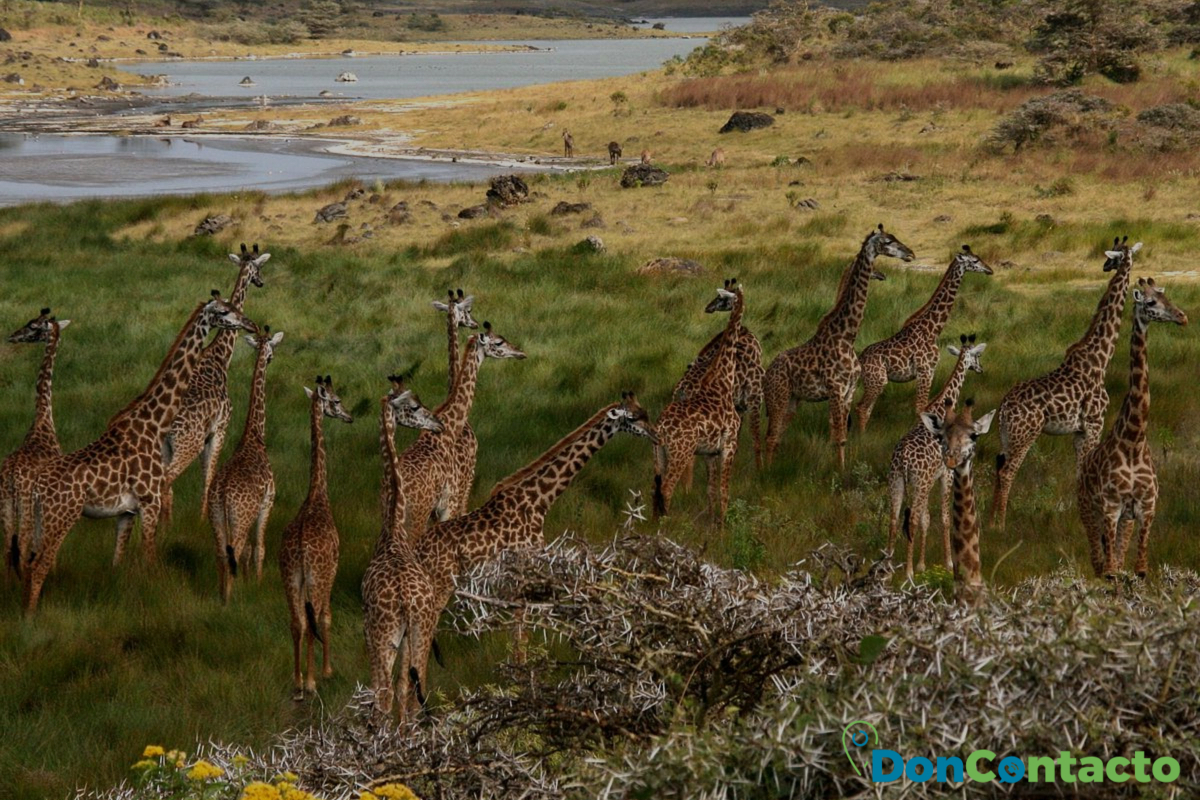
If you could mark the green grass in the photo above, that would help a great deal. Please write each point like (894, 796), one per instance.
(118, 659)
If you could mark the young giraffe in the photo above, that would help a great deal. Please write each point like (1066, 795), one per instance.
(826, 366)
(466, 450)
(958, 434)
(912, 353)
(397, 592)
(243, 490)
(308, 553)
(1117, 481)
(41, 442)
(705, 422)
(917, 463)
(203, 420)
(1071, 399)
(513, 517)
(748, 372)
(429, 464)
(121, 474)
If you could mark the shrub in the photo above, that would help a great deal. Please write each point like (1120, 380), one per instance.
(1083, 37)
(1069, 111)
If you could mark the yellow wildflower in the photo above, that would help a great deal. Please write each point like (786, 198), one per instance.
(260, 791)
(177, 757)
(289, 792)
(395, 791)
(152, 751)
(240, 761)
(367, 796)
(204, 771)
(286, 777)
(145, 763)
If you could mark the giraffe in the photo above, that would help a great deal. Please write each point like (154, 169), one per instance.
(513, 517)
(826, 366)
(957, 434)
(200, 427)
(243, 489)
(912, 353)
(308, 553)
(466, 449)
(398, 594)
(17, 471)
(614, 152)
(917, 462)
(748, 372)
(1071, 399)
(431, 467)
(568, 144)
(1117, 483)
(705, 422)
(121, 474)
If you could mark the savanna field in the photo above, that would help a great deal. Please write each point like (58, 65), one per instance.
(120, 658)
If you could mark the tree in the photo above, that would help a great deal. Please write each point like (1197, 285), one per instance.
(1084, 37)
(321, 18)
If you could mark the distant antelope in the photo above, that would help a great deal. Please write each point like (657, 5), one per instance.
(717, 159)
(164, 122)
(193, 123)
(645, 156)
(614, 152)
(568, 144)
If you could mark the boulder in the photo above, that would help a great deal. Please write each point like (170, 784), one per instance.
(346, 77)
(345, 120)
(564, 208)
(154, 35)
(745, 121)
(107, 84)
(331, 212)
(507, 190)
(93, 62)
(213, 224)
(354, 194)
(671, 266)
(595, 221)
(247, 81)
(473, 212)
(260, 125)
(643, 175)
(592, 244)
(14, 77)
(5, 36)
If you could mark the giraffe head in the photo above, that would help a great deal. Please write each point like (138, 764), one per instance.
(726, 298)
(37, 330)
(330, 404)
(1120, 254)
(1150, 304)
(219, 314)
(265, 342)
(496, 346)
(967, 261)
(632, 418)
(958, 434)
(459, 309)
(881, 243)
(252, 261)
(407, 409)
(970, 352)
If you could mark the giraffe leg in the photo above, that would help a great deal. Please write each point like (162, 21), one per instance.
(208, 461)
(124, 527)
(837, 424)
(1124, 537)
(326, 622)
(382, 658)
(754, 401)
(1091, 526)
(1009, 461)
(220, 541)
(947, 557)
(919, 516)
(777, 399)
(260, 536)
(297, 674)
(149, 513)
(1110, 521)
(874, 380)
(924, 386)
(310, 674)
(728, 456)
(168, 506)
(896, 496)
(1147, 511)
(679, 454)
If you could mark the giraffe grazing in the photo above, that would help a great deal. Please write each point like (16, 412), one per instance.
(512, 517)
(912, 353)
(568, 144)
(1071, 399)
(1117, 482)
(121, 474)
(717, 159)
(705, 422)
(431, 466)
(917, 463)
(645, 157)
(826, 366)
(614, 152)
(308, 553)
(41, 442)
(748, 372)
(458, 315)
(957, 434)
(243, 490)
(200, 427)
(398, 595)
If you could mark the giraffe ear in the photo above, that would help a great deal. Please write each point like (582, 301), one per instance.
(466, 302)
(932, 423)
(1137, 246)
(276, 338)
(252, 340)
(979, 348)
(264, 258)
(954, 351)
(984, 423)
(1139, 296)
(235, 258)
(616, 413)
(308, 392)
(1112, 253)
(441, 306)
(62, 323)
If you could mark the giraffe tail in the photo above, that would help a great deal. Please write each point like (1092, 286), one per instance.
(14, 554)
(415, 677)
(437, 655)
(908, 524)
(233, 561)
(311, 614)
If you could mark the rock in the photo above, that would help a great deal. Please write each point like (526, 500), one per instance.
(354, 194)
(473, 212)
(162, 48)
(375, 199)
(345, 120)
(260, 125)
(507, 190)
(779, 110)
(5, 36)
(325, 93)
(154, 35)
(107, 84)
(809, 203)
(159, 81)
(1044, 219)
(592, 244)
(331, 212)
(346, 77)
(898, 177)
(93, 63)
(140, 52)
(213, 224)
(671, 266)
(943, 218)
(428, 204)
(596, 221)
(103, 38)
(564, 208)
(247, 81)
(745, 121)
(643, 175)
(14, 77)
(398, 215)
(402, 206)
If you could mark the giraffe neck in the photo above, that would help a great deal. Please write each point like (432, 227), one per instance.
(256, 417)
(220, 350)
(42, 433)
(156, 406)
(452, 341)
(844, 319)
(966, 528)
(1133, 419)
(318, 486)
(391, 536)
(949, 393)
(539, 484)
(1093, 352)
(722, 372)
(454, 412)
(932, 316)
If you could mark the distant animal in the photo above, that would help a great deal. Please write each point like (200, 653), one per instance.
(614, 152)
(193, 123)
(163, 122)
(1003, 64)
(645, 156)
(717, 159)
(568, 144)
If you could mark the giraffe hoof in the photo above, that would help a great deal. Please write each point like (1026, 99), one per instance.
(298, 695)
(1141, 573)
